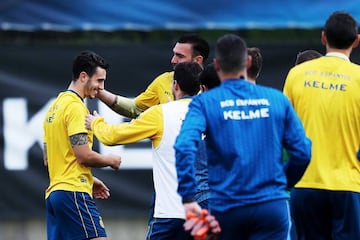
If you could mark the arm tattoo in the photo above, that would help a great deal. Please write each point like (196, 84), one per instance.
(79, 139)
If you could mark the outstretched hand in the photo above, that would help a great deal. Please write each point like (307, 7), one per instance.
(89, 119)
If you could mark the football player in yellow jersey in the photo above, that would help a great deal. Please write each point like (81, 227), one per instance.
(189, 48)
(325, 93)
(71, 212)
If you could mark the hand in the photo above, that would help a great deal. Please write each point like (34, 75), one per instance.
(115, 161)
(202, 225)
(100, 190)
(192, 209)
(89, 119)
(213, 224)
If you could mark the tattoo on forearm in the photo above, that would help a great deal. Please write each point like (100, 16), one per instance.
(79, 139)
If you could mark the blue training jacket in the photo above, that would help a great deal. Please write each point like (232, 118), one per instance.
(246, 126)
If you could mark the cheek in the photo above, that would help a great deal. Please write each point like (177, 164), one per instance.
(181, 60)
(94, 85)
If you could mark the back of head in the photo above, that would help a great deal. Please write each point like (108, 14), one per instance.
(256, 63)
(341, 30)
(87, 61)
(186, 74)
(199, 45)
(209, 77)
(231, 53)
(306, 56)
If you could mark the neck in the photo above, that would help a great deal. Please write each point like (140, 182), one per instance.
(224, 76)
(251, 80)
(346, 52)
(179, 95)
(74, 87)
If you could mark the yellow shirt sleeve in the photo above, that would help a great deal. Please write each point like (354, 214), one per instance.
(149, 124)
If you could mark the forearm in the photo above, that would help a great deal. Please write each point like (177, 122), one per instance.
(106, 97)
(90, 158)
(126, 107)
(96, 160)
(121, 105)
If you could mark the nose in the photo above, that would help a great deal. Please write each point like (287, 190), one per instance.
(101, 85)
(174, 60)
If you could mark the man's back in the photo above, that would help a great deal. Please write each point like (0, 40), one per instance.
(327, 100)
(168, 203)
(245, 123)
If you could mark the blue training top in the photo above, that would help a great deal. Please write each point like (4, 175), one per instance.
(246, 126)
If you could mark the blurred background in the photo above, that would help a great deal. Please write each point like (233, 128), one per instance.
(38, 42)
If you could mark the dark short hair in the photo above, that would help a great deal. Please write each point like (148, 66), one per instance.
(87, 61)
(186, 74)
(341, 30)
(231, 53)
(199, 45)
(256, 62)
(209, 77)
(307, 55)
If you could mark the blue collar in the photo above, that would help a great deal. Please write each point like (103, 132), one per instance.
(184, 97)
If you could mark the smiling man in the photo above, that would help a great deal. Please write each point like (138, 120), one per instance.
(70, 208)
(188, 48)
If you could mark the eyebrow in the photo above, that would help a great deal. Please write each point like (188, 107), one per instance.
(179, 54)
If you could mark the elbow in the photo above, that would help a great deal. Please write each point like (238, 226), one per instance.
(82, 160)
(86, 158)
(295, 172)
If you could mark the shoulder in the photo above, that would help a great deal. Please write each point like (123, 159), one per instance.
(355, 65)
(153, 110)
(165, 75)
(162, 79)
(176, 104)
(69, 100)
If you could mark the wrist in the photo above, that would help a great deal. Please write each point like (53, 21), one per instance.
(113, 103)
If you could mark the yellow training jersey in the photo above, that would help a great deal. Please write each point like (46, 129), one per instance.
(159, 91)
(325, 93)
(66, 117)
